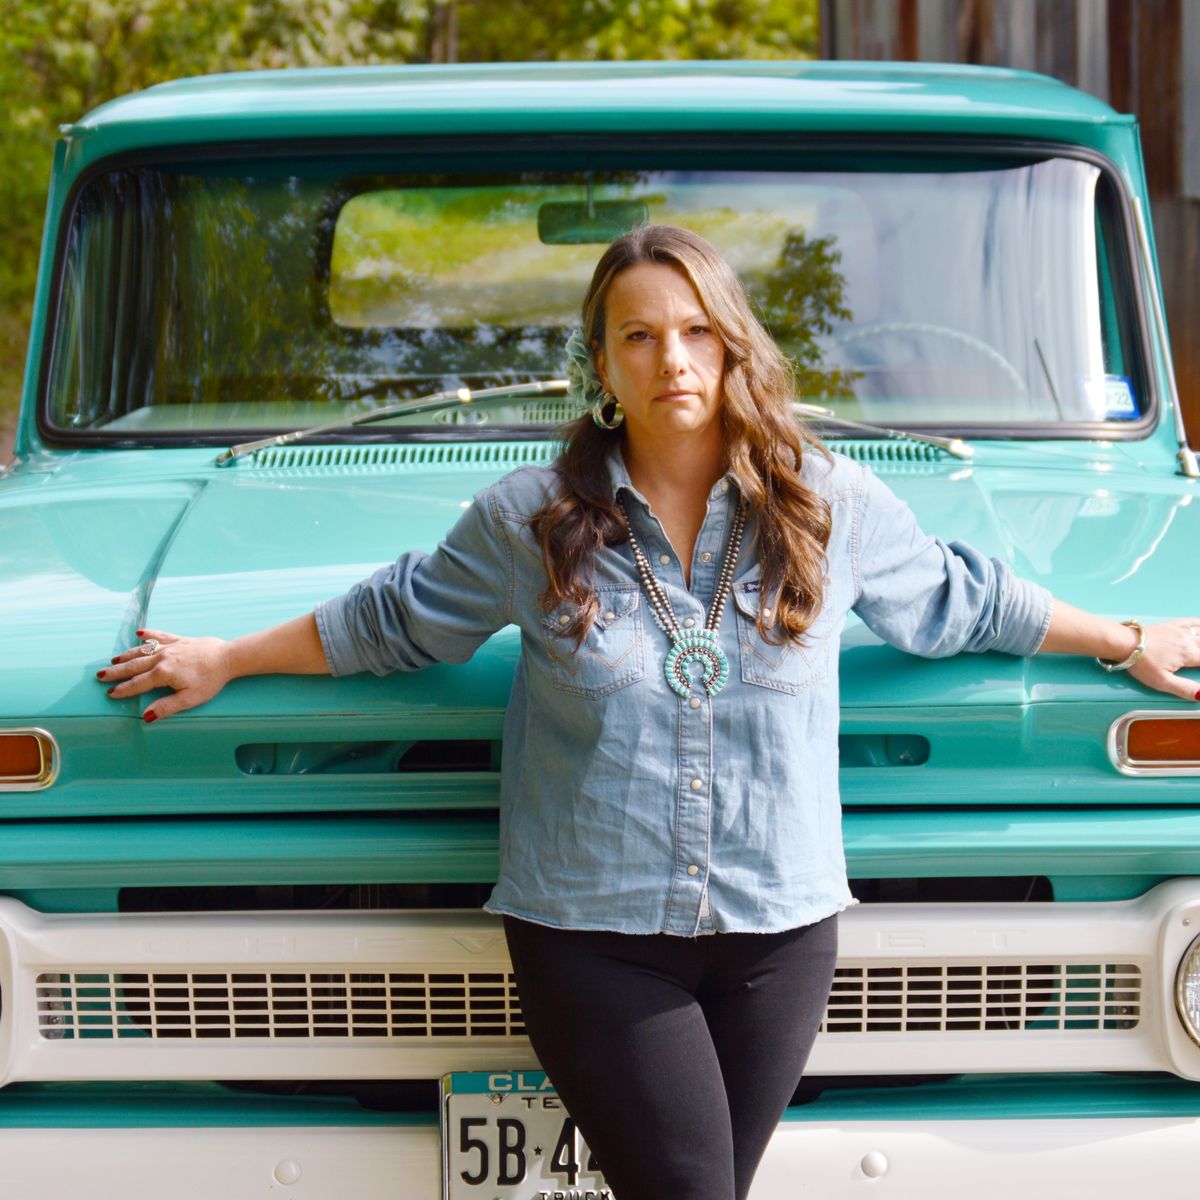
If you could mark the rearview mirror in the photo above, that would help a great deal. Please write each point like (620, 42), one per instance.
(598, 223)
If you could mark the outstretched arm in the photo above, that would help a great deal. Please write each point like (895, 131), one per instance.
(419, 610)
(935, 598)
(1171, 646)
(198, 668)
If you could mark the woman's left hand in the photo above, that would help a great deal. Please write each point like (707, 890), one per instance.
(1171, 647)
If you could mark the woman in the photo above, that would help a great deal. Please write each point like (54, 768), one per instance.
(671, 862)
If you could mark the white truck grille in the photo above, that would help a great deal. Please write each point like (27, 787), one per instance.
(936, 997)
(315, 1003)
(318, 1003)
(929, 988)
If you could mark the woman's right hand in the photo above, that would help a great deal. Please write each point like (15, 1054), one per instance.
(195, 669)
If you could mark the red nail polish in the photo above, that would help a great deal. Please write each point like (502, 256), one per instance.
(1198, 695)
(114, 661)
(99, 674)
(140, 632)
(112, 689)
(150, 717)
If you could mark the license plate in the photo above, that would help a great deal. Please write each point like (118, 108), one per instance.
(507, 1136)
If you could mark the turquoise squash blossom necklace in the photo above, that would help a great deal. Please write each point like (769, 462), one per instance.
(690, 646)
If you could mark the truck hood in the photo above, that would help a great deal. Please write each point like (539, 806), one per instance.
(224, 552)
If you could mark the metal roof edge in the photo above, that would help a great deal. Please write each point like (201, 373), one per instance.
(870, 90)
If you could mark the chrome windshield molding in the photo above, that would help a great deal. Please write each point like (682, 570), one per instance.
(51, 761)
(1118, 745)
(1186, 458)
(683, 149)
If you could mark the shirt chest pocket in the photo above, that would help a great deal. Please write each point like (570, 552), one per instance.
(786, 667)
(612, 655)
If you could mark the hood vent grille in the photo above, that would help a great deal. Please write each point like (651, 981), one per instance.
(507, 455)
(888, 453)
(464, 454)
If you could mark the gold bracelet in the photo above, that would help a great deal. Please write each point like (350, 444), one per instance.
(1138, 650)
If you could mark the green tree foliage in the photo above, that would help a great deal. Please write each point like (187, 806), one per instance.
(483, 30)
(60, 58)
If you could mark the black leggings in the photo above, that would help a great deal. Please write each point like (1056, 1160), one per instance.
(676, 1056)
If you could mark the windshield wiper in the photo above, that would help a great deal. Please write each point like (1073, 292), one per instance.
(440, 401)
(955, 446)
(434, 402)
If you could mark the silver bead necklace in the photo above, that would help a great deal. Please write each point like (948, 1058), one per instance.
(692, 645)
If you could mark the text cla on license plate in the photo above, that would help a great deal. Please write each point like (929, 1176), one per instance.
(506, 1136)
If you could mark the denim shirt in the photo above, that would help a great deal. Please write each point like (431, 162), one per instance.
(624, 806)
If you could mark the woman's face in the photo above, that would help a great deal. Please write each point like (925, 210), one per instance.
(661, 357)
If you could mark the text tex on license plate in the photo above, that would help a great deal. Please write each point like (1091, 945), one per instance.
(506, 1136)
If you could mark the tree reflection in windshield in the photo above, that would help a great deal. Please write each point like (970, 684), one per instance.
(801, 300)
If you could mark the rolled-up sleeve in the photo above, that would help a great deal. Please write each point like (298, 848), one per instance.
(936, 598)
(425, 608)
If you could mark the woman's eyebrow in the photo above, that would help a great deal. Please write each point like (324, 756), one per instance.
(689, 320)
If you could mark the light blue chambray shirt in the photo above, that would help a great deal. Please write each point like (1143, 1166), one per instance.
(623, 806)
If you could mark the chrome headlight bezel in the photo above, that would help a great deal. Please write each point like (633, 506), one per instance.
(1191, 1025)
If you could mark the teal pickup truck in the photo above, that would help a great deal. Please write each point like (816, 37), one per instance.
(286, 325)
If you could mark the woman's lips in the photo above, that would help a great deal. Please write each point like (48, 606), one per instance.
(682, 395)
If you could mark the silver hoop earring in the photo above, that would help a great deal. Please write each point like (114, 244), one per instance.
(618, 413)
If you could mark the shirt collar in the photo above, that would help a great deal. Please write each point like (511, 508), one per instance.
(619, 481)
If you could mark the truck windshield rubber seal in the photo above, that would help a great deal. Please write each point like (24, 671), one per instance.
(569, 153)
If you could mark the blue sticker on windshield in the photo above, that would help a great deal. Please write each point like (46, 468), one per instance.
(1110, 398)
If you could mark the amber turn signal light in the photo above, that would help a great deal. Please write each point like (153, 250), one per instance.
(28, 759)
(1156, 743)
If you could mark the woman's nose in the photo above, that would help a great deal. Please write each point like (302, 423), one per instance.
(671, 359)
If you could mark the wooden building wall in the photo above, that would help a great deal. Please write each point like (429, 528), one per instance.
(1141, 56)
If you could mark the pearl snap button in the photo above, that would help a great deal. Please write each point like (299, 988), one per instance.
(706, 557)
(609, 616)
(724, 486)
(688, 622)
(564, 619)
(664, 559)
(693, 869)
(767, 613)
(694, 702)
(697, 784)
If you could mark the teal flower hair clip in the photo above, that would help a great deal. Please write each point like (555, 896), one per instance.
(583, 382)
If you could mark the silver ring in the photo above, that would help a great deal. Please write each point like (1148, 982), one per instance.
(150, 646)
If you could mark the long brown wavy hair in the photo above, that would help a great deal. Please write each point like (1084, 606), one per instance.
(765, 445)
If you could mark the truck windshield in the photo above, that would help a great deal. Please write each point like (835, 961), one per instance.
(218, 297)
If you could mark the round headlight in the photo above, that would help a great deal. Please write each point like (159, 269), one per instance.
(1187, 991)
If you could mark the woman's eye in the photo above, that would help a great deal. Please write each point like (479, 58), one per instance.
(638, 335)
(699, 330)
